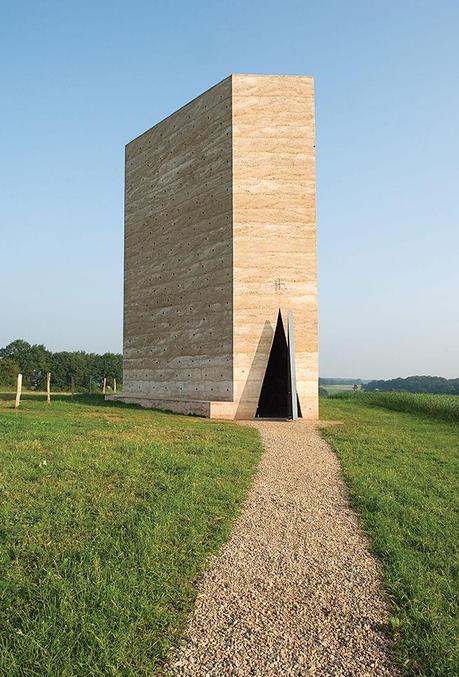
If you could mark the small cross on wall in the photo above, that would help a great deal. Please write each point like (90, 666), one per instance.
(279, 284)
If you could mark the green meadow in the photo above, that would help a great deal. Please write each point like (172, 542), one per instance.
(400, 457)
(108, 515)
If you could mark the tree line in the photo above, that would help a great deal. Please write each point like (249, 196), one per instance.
(416, 384)
(86, 370)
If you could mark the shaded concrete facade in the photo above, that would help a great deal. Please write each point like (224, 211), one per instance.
(220, 234)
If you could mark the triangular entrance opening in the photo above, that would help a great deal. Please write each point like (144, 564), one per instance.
(275, 401)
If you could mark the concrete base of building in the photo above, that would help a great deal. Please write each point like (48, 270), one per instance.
(228, 411)
(222, 411)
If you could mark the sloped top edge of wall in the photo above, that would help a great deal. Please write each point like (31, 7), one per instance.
(218, 84)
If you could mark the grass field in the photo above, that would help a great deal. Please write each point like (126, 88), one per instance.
(108, 514)
(402, 470)
(443, 407)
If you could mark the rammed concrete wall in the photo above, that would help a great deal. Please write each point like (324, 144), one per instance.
(178, 293)
(274, 230)
(220, 234)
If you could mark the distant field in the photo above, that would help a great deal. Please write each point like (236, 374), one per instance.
(108, 514)
(402, 470)
(338, 388)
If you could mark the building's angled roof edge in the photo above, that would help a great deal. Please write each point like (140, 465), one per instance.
(179, 109)
(258, 75)
(273, 75)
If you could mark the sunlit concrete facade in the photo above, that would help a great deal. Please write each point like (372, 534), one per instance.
(219, 234)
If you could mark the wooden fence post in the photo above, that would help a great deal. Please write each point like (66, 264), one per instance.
(114, 385)
(48, 387)
(18, 391)
(72, 386)
(104, 386)
(90, 385)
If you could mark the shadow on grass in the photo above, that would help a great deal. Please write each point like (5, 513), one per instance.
(81, 399)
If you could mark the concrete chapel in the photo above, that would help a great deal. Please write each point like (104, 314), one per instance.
(220, 246)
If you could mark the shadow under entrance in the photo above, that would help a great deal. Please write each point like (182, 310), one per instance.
(276, 392)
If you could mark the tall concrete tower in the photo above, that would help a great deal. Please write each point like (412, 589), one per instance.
(220, 234)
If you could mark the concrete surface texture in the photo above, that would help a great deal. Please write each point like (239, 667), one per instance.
(295, 591)
(220, 234)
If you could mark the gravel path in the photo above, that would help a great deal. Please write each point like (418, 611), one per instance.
(294, 591)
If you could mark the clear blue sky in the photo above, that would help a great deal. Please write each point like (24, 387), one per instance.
(80, 79)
